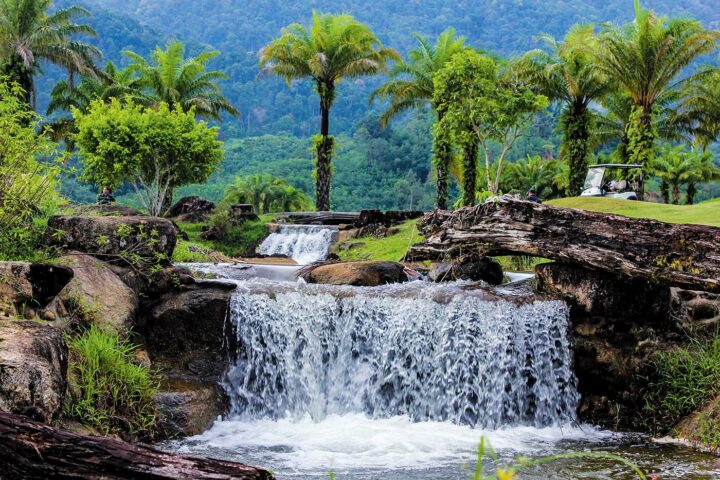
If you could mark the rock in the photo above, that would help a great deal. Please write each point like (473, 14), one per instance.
(361, 274)
(33, 369)
(191, 209)
(700, 428)
(187, 331)
(618, 324)
(106, 210)
(26, 285)
(152, 239)
(96, 287)
(469, 267)
(189, 407)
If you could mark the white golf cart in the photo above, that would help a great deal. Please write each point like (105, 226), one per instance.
(613, 180)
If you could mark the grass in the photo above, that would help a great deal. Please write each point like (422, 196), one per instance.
(682, 380)
(391, 248)
(238, 241)
(110, 392)
(705, 213)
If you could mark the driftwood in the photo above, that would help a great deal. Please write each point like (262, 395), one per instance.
(33, 450)
(682, 255)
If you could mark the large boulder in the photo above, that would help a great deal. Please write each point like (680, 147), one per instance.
(186, 331)
(618, 325)
(360, 274)
(191, 209)
(115, 238)
(26, 287)
(98, 289)
(469, 267)
(33, 369)
(188, 406)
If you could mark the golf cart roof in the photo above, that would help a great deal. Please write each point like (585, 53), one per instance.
(624, 166)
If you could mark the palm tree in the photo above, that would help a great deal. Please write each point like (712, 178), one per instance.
(568, 74)
(113, 83)
(699, 109)
(266, 194)
(646, 58)
(171, 78)
(543, 174)
(676, 167)
(411, 87)
(332, 48)
(703, 170)
(30, 34)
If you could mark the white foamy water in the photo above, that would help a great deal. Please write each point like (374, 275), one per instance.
(356, 442)
(303, 243)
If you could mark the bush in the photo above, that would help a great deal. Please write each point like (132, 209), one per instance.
(236, 238)
(27, 193)
(111, 392)
(681, 381)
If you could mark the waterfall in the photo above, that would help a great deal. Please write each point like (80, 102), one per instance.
(303, 243)
(429, 352)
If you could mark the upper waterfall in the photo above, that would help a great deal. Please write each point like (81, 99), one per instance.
(303, 243)
(428, 352)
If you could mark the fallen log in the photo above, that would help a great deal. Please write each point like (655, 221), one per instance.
(33, 450)
(686, 256)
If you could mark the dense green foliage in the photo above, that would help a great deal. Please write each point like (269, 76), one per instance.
(112, 393)
(682, 380)
(155, 150)
(27, 192)
(234, 239)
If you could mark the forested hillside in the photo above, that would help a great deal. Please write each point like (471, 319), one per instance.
(239, 29)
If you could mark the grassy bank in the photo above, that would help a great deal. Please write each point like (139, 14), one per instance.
(392, 247)
(237, 242)
(705, 213)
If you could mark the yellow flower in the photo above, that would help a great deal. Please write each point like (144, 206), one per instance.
(503, 474)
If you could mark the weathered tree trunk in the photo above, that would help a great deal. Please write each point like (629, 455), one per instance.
(33, 450)
(686, 256)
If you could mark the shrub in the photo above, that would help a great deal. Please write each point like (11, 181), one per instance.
(681, 381)
(27, 194)
(112, 393)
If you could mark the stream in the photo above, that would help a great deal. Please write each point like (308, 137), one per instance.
(402, 382)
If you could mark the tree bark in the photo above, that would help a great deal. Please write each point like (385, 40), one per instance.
(324, 148)
(686, 256)
(470, 152)
(33, 450)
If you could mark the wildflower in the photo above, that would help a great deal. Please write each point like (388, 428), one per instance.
(503, 474)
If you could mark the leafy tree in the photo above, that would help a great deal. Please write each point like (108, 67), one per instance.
(155, 150)
(647, 59)
(569, 75)
(178, 81)
(332, 48)
(29, 34)
(411, 87)
(266, 194)
(699, 109)
(493, 104)
(26, 185)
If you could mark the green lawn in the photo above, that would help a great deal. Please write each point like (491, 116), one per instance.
(705, 213)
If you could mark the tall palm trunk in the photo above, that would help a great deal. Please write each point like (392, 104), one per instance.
(470, 153)
(691, 191)
(324, 148)
(641, 140)
(441, 159)
(576, 128)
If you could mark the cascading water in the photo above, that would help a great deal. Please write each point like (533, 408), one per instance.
(400, 382)
(398, 351)
(303, 243)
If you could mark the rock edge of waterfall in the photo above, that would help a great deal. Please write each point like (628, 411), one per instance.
(633, 288)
